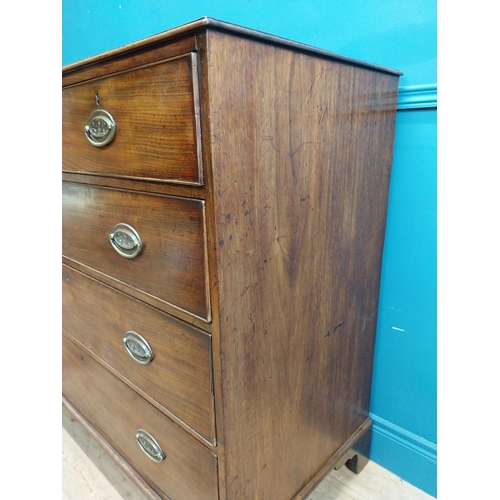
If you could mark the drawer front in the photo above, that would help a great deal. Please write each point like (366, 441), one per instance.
(179, 375)
(188, 471)
(156, 112)
(172, 263)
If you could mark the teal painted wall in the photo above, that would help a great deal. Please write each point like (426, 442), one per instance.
(397, 33)
(404, 389)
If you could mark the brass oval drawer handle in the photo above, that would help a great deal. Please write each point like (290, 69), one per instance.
(150, 446)
(101, 128)
(126, 240)
(138, 348)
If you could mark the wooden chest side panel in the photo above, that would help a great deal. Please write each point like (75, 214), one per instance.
(301, 150)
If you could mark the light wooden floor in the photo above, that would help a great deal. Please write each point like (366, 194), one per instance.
(88, 473)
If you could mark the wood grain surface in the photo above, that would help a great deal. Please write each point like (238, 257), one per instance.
(256, 171)
(189, 471)
(88, 473)
(126, 57)
(181, 34)
(172, 264)
(301, 150)
(179, 377)
(96, 470)
(157, 123)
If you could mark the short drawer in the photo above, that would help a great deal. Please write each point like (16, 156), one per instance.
(175, 368)
(157, 119)
(188, 471)
(171, 265)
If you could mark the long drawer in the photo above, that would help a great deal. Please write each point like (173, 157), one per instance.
(156, 129)
(188, 470)
(166, 359)
(171, 264)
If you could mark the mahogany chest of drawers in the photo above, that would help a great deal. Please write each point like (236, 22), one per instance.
(224, 203)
